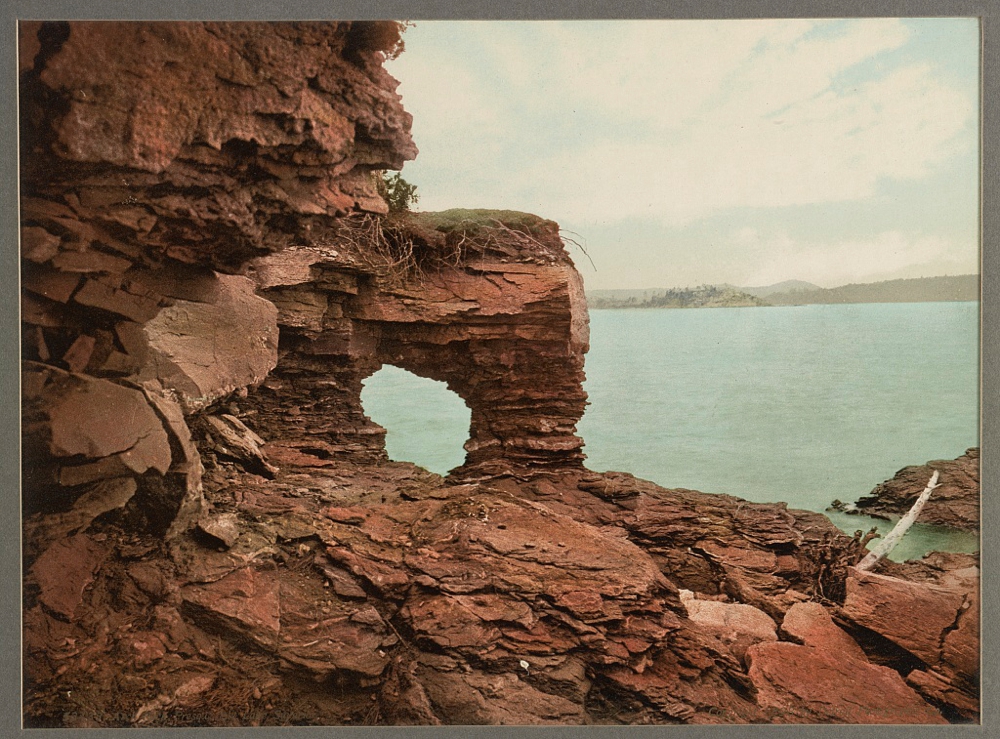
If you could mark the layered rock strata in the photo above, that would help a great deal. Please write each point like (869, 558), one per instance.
(381, 594)
(954, 502)
(213, 535)
(486, 301)
(157, 159)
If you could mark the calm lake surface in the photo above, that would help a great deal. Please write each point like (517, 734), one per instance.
(799, 404)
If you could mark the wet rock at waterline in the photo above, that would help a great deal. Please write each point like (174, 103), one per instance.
(954, 503)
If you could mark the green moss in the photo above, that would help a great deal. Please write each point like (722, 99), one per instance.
(471, 220)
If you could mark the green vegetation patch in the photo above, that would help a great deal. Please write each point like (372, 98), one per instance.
(470, 221)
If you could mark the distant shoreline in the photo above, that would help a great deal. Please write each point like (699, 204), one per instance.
(797, 305)
(951, 289)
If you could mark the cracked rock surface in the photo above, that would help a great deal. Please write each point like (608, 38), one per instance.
(213, 534)
(954, 502)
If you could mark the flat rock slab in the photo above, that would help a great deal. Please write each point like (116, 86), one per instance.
(206, 350)
(245, 601)
(810, 624)
(809, 685)
(335, 645)
(738, 625)
(326, 635)
(64, 570)
(479, 698)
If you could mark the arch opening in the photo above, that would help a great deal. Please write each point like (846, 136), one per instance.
(426, 423)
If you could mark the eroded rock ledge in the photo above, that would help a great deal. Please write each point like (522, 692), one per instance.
(213, 535)
(486, 301)
(954, 503)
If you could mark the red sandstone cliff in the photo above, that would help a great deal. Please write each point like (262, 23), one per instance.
(213, 535)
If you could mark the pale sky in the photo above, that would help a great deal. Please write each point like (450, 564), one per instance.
(690, 152)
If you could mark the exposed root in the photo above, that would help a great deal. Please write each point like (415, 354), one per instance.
(569, 241)
(833, 560)
(398, 249)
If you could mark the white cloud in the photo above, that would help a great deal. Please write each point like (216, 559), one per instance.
(887, 255)
(670, 119)
(828, 147)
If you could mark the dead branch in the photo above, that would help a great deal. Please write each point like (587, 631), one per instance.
(900, 529)
(573, 242)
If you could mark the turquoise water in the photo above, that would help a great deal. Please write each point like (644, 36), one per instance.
(799, 404)
(425, 422)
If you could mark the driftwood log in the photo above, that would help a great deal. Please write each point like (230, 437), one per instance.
(900, 529)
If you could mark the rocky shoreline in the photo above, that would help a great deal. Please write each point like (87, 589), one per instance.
(954, 503)
(383, 594)
(213, 535)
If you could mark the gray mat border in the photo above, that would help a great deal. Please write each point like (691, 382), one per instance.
(10, 610)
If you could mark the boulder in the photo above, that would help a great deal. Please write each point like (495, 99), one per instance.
(936, 622)
(805, 684)
(736, 624)
(206, 350)
(97, 418)
(94, 419)
(810, 624)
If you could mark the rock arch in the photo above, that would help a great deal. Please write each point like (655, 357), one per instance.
(139, 320)
(506, 332)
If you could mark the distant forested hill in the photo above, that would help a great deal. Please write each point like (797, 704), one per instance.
(791, 292)
(919, 290)
(788, 286)
(704, 296)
